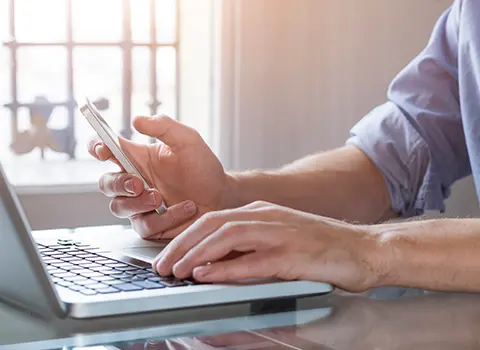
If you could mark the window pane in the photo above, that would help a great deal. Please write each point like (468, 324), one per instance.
(166, 80)
(4, 19)
(42, 71)
(44, 20)
(5, 94)
(98, 74)
(23, 117)
(140, 20)
(97, 20)
(166, 21)
(141, 86)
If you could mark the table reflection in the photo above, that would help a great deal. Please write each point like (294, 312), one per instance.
(424, 322)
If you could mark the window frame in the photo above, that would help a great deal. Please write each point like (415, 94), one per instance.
(127, 45)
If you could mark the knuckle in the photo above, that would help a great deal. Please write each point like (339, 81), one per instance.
(118, 183)
(259, 204)
(208, 217)
(102, 184)
(232, 229)
(163, 118)
(137, 226)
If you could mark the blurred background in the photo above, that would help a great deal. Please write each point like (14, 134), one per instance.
(264, 81)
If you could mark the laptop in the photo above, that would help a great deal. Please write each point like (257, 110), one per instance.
(76, 280)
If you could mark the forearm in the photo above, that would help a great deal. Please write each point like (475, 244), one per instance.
(434, 255)
(342, 184)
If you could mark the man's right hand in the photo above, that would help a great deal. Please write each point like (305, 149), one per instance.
(181, 168)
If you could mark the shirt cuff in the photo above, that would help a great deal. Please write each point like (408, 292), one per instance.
(388, 138)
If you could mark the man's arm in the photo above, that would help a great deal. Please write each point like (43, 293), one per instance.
(433, 255)
(342, 184)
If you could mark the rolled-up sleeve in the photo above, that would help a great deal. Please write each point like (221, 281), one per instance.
(416, 139)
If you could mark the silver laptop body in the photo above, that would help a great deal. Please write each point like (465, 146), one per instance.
(26, 282)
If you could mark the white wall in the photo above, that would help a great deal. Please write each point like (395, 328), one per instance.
(307, 70)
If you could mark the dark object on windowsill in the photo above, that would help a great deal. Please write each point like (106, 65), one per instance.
(39, 135)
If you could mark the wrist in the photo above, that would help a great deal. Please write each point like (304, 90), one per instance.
(230, 196)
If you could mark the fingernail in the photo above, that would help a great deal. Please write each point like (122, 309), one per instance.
(129, 186)
(98, 148)
(152, 199)
(190, 208)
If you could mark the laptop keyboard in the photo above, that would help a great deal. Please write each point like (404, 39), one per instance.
(90, 271)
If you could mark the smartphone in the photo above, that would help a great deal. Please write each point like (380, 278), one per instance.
(110, 138)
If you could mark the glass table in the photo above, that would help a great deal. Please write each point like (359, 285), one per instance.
(385, 320)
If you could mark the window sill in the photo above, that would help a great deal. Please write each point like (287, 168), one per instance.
(55, 177)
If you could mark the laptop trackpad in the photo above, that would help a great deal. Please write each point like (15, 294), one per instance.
(143, 253)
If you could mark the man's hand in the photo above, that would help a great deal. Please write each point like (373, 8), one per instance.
(273, 242)
(181, 167)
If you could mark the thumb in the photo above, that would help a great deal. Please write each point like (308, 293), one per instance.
(169, 131)
(131, 149)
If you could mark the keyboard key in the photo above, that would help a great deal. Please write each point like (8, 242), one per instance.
(173, 283)
(135, 272)
(70, 259)
(101, 268)
(64, 266)
(128, 287)
(103, 278)
(86, 282)
(88, 292)
(116, 264)
(103, 261)
(90, 265)
(90, 274)
(75, 279)
(128, 268)
(65, 283)
(56, 279)
(63, 256)
(76, 288)
(97, 286)
(144, 275)
(149, 285)
(75, 268)
(114, 282)
(112, 273)
(53, 269)
(63, 274)
(82, 262)
(55, 261)
(138, 278)
(108, 290)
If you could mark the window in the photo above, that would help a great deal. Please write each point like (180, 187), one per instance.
(122, 53)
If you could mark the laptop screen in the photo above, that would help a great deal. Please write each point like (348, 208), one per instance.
(24, 279)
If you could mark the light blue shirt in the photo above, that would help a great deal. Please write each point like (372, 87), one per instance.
(427, 136)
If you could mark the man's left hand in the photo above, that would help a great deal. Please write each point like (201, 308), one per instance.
(262, 240)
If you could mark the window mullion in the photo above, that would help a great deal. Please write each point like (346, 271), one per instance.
(71, 92)
(13, 75)
(127, 71)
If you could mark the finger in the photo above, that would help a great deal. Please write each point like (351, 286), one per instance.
(126, 207)
(121, 184)
(233, 236)
(152, 224)
(99, 150)
(174, 232)
(202, 228)
(167, 130)
(253, 265)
